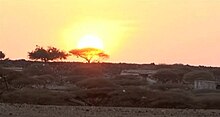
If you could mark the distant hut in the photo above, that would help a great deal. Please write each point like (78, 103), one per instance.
(205, 84)
(140, 74)
(200, 80)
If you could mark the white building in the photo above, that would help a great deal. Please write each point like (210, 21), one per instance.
(205, 84)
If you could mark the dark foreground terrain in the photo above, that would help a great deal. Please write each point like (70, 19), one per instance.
(24, 110)
(103, 84)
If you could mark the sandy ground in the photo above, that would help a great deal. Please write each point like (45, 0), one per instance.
(24, 110)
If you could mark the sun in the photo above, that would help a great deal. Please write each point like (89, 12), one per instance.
(90, 41)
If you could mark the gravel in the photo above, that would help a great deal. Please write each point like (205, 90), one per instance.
(25, 110)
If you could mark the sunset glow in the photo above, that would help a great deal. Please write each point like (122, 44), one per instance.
(90, 42)
(133, 31)
(103, 34)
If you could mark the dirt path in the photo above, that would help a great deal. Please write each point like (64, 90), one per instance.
(24, 110)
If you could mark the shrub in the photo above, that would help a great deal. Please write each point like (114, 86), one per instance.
(95, 96)
(11, 75)
(91, 70)
(130, 96)
(18, 79)
(210, 101)
(198, 75)
(166, 75)
(172, 100)
(128, 81)
(38, 69)
(74, 78)
(45, 78)
(37, 96)
(164, 87)
(24, 82)
(181, 70)
(95, 83)
(139, 97)
(216, 73)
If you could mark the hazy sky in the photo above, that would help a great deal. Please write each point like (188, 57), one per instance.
(137, 31)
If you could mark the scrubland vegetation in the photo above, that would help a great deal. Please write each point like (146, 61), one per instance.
(100, 84)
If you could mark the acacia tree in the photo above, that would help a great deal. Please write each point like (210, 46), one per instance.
(2, 55)
(90, 54)
(46, 55)
(55, 53)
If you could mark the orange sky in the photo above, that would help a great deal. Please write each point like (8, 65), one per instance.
(137, 31)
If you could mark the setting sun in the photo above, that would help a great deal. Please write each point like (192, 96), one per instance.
(90, 41)
(137, 31)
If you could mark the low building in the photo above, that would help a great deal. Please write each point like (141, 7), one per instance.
(141, 74)
(144, 73)
(205, 84)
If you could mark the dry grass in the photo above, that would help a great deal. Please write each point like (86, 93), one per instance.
(74, 78)
(128, 81)
(37, 96)
(95, 83)
(139, 97)
(169, 86)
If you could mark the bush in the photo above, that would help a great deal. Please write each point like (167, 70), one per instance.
(11, 75)
(139, 97)
(164, 87)
(37, 96)
(166, 75)
(45, 78)
(181, 70)
(95, 96)
(74, 78)
(128, 81)
(24, 82)
(209, 101)
(91, 70)
(130, 96)
(216, 73)
(38, 69)
(198, 75)
(95, 83)
(172, 100)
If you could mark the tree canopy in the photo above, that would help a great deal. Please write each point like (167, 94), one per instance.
(2, 55)
(90, 54)
(49, 54)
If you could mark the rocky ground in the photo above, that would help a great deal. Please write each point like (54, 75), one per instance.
(25, 110)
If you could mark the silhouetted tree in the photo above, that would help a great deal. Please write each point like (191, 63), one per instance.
(2, 55)
(55, 53)
(90, 54)
(46, 55)
(39, 53)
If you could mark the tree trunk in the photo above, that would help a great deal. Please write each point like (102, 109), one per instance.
(89, 61)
